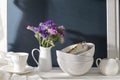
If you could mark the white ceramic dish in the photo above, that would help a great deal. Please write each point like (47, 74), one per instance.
(76, 48)
(89, 52)
(9, 68)
(75, 68)
(72, 58)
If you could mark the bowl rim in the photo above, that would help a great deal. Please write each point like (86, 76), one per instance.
(92, 46)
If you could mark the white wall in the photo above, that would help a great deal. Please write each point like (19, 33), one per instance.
(3, 14)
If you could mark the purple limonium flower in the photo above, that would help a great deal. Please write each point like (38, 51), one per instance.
(43, 28)
(47, 23)
(36, 29)
(44, 35)
(30, 27)
(61, 29)
(54, 26)
(52, 31)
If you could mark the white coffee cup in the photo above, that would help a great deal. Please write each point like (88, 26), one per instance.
(19, 60)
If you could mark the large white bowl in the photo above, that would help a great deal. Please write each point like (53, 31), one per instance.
(75, 68)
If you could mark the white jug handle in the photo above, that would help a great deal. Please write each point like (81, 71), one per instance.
(35, 49)
(99, 59)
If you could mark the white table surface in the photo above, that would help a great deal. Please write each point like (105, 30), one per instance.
(57, 74)
(93, 74)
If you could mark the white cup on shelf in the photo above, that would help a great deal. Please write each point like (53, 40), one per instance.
(19, 61)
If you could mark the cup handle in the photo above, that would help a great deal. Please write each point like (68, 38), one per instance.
(35, 49)
(99, 59)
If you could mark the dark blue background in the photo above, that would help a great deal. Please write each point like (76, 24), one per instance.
(84, 20)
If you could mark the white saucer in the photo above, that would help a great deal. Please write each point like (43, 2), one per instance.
(9, 68)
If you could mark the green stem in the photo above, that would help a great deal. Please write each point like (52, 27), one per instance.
(48, 41)
(39, 40)
(42, 43)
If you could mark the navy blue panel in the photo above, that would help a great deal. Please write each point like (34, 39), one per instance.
(84, 20)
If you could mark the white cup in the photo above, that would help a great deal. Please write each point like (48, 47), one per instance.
(19, 60)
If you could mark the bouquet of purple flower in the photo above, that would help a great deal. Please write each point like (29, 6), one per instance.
(48, 33)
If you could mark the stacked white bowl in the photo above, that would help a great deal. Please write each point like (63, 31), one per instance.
(76, 64)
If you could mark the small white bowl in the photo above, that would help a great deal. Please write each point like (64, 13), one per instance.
(75, 68)
(89, 52)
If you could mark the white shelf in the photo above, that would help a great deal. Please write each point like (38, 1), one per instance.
(57, 74)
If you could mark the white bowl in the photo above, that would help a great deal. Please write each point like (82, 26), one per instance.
(71, 57)
(75, 68)
(76, 48)
(89, 52)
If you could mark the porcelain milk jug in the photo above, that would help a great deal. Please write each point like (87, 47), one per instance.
(108, 67)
